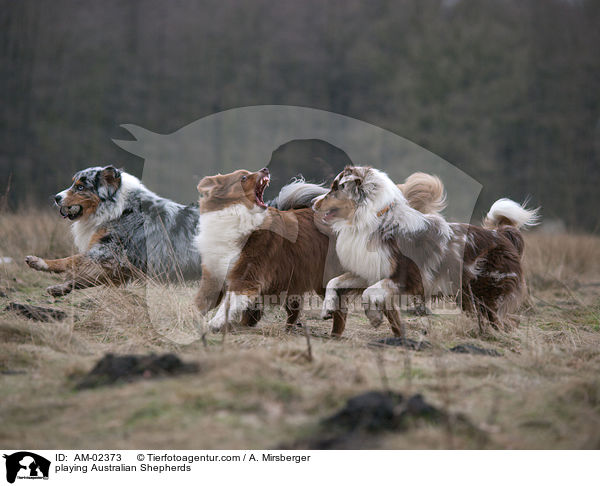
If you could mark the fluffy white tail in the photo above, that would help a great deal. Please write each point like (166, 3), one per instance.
(505, 211)
(297, 194)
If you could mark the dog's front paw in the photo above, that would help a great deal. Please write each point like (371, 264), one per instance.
(374, 298)
(329, 307)
(217, 323)
(36, 263)
(59, 290)
(375, 317)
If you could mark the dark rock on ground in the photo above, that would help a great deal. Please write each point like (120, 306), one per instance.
(365, 417)
(372, 411)
(35, 312)
(402, 342)
(12, 372)
(127, 368)
(381, 411)
(472, 349)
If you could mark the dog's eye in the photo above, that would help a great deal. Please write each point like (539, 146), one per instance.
(244, 178)
(79, 187)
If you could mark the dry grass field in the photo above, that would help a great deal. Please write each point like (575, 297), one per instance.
(258, 388)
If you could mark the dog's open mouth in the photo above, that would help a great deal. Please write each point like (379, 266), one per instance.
(71, 212)
(261, 185)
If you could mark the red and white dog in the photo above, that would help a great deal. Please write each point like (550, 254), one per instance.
(250, 251)
(391, 249)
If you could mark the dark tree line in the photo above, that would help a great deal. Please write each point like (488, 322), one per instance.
(507, 90)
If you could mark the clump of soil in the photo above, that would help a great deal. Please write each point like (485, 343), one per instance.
(35, 312)
(403, 343)
(367, 416)
(113, 369)
(472, 349)
(376, 411)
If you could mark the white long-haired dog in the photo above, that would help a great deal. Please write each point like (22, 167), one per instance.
(391, 249)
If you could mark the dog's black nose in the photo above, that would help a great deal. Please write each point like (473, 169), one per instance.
(57, 198)
(265, 170)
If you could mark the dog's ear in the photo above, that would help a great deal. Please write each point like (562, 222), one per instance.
(206, 185)
(355, 187)
(109, 183)
(350, 182)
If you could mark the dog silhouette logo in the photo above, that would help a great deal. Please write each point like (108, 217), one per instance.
(25, 464)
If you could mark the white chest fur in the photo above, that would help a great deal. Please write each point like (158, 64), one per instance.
(223, 234)
(369, 259)
(82, 233)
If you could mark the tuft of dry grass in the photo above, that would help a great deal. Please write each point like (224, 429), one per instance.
(34, 232)
(560, 258)
(257, 388)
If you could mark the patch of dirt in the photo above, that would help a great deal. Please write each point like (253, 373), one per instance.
(376, 411)
(403, 343)
(36, 313)
(127, 368)
(366, 416)
(472, 349)
(12, 372)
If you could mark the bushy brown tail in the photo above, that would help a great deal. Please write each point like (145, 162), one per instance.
(424, 192)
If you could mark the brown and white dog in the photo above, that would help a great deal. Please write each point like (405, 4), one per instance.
(390, 249)
(251, 252)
